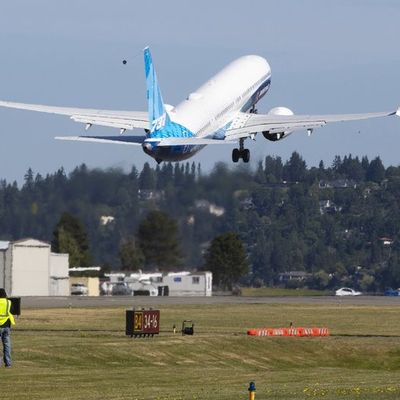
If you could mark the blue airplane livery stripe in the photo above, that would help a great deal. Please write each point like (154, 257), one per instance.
(172, 129)
(258, 94)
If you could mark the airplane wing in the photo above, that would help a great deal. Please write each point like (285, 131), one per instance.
(246, 124)
(114, 119)
(138, 140)
(129, 140)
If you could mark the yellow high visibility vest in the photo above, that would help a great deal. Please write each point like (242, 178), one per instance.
(5, 314)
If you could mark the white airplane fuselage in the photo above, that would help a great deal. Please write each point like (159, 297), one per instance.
(212, 108)
(221, 112)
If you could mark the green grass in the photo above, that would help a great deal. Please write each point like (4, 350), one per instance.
(267, 291)
(84, 354)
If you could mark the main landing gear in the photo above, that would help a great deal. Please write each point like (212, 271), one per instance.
(241, 152)
(253, 110)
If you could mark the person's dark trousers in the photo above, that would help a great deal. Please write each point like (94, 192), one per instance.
(5, 334)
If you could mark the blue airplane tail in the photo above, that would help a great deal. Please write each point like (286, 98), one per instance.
(158, 117)
(160, 125)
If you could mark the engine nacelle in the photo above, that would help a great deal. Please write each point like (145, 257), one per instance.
(274, 135)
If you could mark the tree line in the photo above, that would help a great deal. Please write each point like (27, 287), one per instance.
(338, 223)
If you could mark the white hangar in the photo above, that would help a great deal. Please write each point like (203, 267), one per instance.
(29, 268)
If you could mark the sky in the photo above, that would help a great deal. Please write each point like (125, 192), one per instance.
(336, 56)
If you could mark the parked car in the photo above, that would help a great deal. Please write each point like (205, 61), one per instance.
(121, 289)
(145, 290)
(392, 292)
(79, 289)
(345, 291)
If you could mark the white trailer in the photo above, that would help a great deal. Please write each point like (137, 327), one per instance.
(188, 283)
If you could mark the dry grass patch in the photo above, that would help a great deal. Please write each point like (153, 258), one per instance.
(84, 354)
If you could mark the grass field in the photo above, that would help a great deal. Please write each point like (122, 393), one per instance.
(84, 354)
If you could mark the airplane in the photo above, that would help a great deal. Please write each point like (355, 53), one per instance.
(222, 111)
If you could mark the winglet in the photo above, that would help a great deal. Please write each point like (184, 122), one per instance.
(157, 114)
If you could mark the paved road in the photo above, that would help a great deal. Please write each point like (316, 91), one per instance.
(129, 301)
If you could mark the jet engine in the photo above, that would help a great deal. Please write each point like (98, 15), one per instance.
(273, 134)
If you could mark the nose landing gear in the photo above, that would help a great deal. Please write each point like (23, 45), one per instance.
(241, 152)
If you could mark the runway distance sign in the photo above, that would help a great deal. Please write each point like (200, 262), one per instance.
(142, 322)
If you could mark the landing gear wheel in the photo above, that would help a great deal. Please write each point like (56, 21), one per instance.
(235, 155)
(246, 155)
(253, 110)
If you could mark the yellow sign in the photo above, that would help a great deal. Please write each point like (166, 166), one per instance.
(138, 321)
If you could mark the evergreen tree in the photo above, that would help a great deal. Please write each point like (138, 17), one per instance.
(66, 243)
(336, 164)
(70, 237)
(226, 259)
(260, 174)
(179, 177)
(193, 170)
(166, 176)
(158, 239)
(273, 169)
(131, 256)
(147, 178)
(365, 164)
(28, 178)
(295, 169)
(260, 256)
(376, 171)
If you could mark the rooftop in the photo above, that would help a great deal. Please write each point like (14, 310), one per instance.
(4, 244)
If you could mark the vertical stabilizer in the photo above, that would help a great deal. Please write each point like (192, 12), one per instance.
(157, 114)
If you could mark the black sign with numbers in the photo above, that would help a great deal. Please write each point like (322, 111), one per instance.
(142, 322)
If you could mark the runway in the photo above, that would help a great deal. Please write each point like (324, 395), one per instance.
(146, 301)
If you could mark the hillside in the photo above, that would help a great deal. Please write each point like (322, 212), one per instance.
(339, 224)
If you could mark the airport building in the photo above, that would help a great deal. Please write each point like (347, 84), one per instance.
(172, 284)
(188, 283)
(29, 268)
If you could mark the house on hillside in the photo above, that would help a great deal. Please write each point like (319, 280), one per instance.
(211, 208)
(328, 207)
(148, 194)
(297, 276)
(387, 242)
(337, 184)
(106, 220)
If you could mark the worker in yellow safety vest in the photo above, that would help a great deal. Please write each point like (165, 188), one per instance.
(6, 320)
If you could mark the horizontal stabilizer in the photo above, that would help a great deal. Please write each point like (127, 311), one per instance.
(130, 140)
(189, 141)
